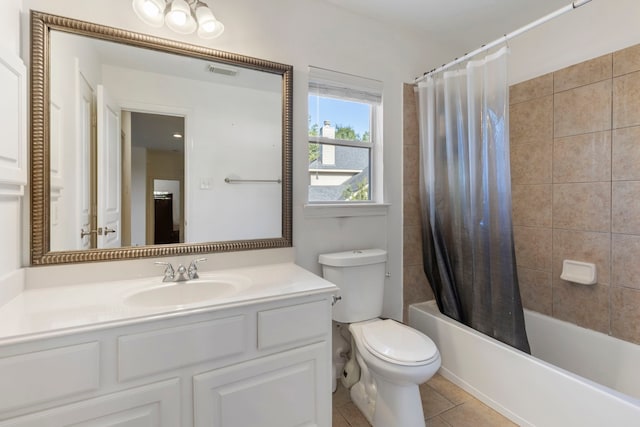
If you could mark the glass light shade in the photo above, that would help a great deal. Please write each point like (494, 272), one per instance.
(151, 12)
(179, 18)
(212, 33)
(208, 26)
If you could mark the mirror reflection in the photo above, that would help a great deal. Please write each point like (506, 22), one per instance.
(151, 148)
(156, 183)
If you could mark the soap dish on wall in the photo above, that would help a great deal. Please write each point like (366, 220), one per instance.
(583, 273)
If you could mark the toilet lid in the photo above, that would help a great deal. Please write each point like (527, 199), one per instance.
(398, 343)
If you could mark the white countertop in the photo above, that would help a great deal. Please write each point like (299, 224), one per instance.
(54, 311)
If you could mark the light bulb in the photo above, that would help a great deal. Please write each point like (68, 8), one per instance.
(179, 17)
(150, 11)
(211, 30)
(208, 26)
(150, 8)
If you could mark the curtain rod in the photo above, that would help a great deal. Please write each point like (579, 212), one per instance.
(574, 5)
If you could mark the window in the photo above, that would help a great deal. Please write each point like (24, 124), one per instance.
(344, 138)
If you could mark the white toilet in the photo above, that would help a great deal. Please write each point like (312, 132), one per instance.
(394, 359)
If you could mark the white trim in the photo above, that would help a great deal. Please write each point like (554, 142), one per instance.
(328, 171)
(344, 86)
(347, 87)
(56, 121)
(13, 171)
(343, 142)
(343, 210)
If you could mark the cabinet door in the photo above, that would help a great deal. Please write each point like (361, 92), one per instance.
(152, 405)
(284, 390)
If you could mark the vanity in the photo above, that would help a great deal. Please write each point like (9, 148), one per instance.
(121, 354)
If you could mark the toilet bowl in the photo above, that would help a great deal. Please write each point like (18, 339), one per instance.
(395, 359)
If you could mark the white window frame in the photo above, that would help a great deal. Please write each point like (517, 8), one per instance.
(331, 84)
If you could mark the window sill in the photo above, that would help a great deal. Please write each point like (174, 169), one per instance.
(338, 210)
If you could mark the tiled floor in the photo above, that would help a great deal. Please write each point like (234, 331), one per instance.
(444, 405)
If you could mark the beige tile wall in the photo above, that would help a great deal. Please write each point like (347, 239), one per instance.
(415, 285)
(575, 160)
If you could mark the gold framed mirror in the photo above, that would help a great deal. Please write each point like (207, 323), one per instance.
(221, 189)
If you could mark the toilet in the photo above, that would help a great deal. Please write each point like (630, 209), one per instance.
(393, 358)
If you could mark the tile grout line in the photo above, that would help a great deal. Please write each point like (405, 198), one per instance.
(553, 152)
(611, 284)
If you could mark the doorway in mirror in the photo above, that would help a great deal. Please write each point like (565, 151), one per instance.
(153, 196)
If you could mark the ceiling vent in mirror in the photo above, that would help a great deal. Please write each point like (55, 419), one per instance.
(219, 70)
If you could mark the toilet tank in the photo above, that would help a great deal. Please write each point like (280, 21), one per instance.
(360, 276)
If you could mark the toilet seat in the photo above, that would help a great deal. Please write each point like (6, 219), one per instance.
(397, 343)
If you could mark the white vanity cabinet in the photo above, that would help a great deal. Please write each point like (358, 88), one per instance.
(274, 391)
(258, 364)
(283, 389)
(151, 405)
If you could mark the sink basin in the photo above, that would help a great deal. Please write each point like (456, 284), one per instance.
(185, 293)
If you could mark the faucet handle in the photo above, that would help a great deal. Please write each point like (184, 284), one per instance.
(169, 272)
(193, 268)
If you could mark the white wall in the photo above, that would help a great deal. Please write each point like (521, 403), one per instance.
(10, 25)
(10, 200)
(595, 29)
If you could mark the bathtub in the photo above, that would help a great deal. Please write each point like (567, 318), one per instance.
(578, 377)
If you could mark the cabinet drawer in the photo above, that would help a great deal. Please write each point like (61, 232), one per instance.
(155, 405)
(43, 376)
(166, 349)
(288, 326)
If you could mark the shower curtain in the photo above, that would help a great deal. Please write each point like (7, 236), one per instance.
(465, 192)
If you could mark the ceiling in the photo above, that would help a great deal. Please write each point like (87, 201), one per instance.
(152, 61)
(465, 24)
(156, 131)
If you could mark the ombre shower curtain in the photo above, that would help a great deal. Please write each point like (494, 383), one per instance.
(465, 191)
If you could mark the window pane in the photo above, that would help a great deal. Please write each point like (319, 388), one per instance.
(339, 119)
(338, 173)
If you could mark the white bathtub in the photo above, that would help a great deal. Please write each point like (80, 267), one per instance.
(535, 392)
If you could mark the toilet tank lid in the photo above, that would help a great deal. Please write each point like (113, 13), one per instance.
(353, 258)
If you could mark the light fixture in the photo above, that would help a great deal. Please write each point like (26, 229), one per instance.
(151, 12)
(208, 26)
(181, 16)
(177, 135)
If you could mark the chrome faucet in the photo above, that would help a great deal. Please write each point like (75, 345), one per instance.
(181, 274)
(193, 268)
(169, 272)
